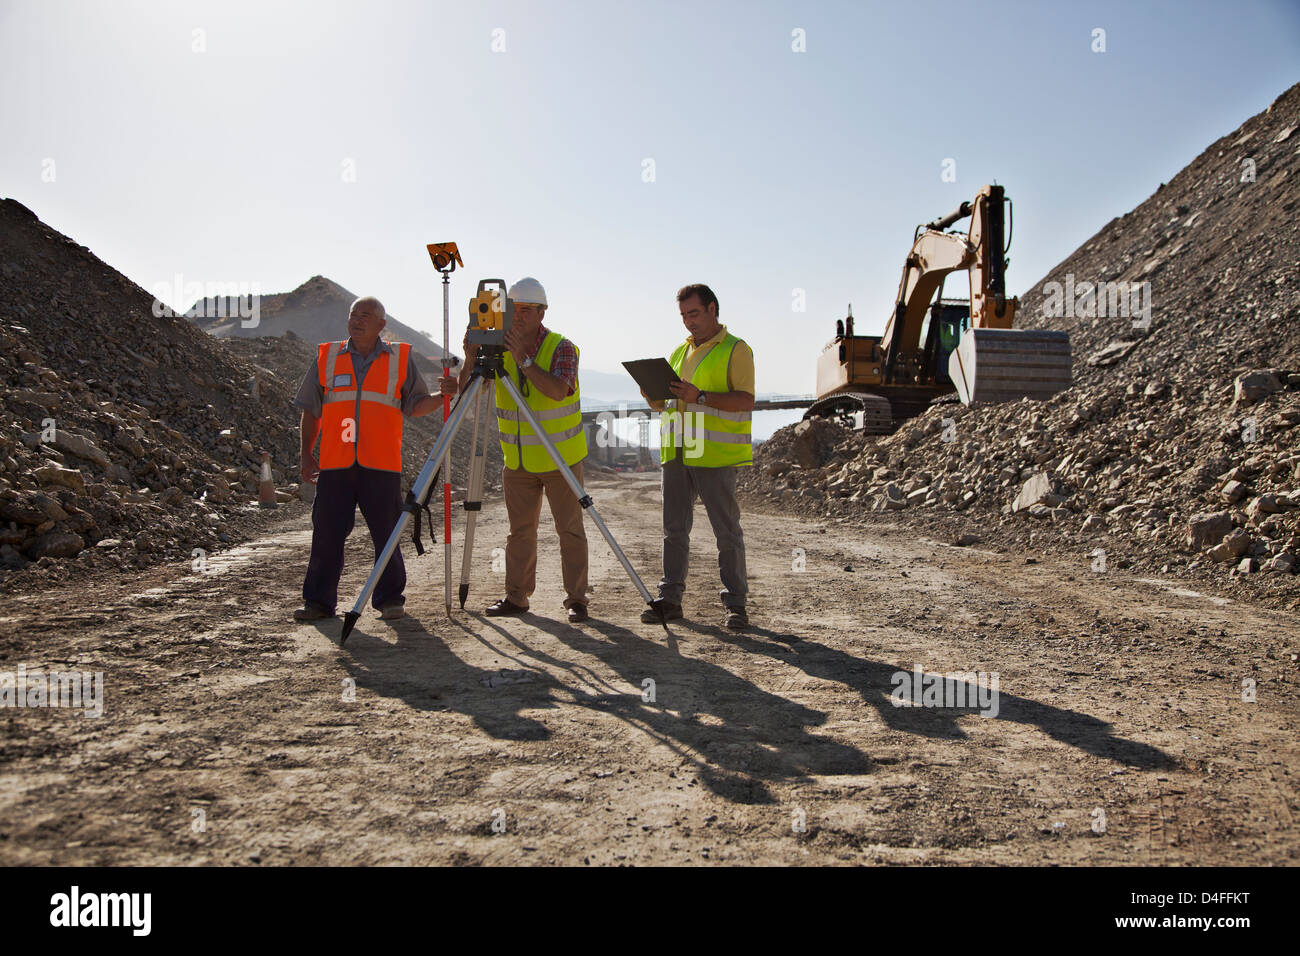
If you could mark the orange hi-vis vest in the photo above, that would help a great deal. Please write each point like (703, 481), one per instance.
(361, 426)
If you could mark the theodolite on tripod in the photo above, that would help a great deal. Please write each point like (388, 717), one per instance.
(491, 315)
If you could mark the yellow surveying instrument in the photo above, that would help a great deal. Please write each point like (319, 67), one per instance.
(491, 314)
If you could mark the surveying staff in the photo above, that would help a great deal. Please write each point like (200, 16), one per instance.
(704, 438)
(360, 464)
(544, 365)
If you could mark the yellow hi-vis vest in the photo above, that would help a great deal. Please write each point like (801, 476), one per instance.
(708, 437)
(561, 420)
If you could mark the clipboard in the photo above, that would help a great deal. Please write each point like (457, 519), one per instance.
(653, 375)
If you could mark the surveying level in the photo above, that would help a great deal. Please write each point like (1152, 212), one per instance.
(491, 314)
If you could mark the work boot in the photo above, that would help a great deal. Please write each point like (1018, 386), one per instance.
(737, 619)
(578, 612)
(311, 612)
(391, 612)
(672, 612)
(505, 607)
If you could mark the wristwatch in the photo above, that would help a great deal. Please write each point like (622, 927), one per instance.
(700, 400)
(526, 362)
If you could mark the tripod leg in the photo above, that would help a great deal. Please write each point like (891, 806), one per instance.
(474, 489)
(584, 499)
(422, 484)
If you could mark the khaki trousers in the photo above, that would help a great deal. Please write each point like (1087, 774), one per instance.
(523, 492)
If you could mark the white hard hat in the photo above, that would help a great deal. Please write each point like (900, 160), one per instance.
(527, 290)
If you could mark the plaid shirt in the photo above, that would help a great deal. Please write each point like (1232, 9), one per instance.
(564, 363)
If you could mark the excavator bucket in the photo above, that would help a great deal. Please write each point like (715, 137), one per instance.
(1002, 365)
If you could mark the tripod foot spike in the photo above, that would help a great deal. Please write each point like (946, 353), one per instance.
(657, 605)
(464, 593)
(349, 621)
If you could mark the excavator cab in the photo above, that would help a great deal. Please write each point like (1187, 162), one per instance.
(948, 323)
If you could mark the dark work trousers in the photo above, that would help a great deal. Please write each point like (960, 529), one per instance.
(716, 488)
(339, 491)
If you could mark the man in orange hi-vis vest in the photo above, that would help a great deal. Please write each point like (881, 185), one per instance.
(353, 397)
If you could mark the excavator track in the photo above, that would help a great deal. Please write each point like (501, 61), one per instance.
(877, 414)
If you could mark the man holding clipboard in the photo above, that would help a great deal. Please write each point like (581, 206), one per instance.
(704, 437)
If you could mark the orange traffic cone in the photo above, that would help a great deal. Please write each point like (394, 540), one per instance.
(266, 487)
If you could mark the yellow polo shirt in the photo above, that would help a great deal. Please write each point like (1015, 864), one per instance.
(740, 370)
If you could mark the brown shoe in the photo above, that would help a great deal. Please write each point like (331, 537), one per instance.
(672, 612)
(737, 619)
(505, 608)
(310, 612)
(577, 612)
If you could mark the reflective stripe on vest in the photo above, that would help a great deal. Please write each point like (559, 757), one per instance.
(361, 425)
(709, 437)
(561, 420)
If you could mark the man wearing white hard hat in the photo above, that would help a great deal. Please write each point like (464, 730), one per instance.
(544, 366)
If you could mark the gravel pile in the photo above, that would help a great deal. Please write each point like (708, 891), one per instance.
(127, 438)
(315, 311)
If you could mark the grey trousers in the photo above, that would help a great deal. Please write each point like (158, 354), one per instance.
(716, 487)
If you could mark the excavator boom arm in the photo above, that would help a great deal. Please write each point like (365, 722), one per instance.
(935, 254)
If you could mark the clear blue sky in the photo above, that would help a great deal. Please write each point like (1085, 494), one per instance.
(774, 170)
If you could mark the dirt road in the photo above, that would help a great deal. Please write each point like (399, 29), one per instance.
(233, 735)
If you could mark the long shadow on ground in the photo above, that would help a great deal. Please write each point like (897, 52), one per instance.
(421, 670)
(748, 736)
(754, 736)
(739, 736)
(874, 682)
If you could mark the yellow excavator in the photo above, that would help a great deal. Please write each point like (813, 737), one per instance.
(933, 346)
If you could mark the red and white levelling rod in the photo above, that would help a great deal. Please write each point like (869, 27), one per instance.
(446, 478)
(445, 258)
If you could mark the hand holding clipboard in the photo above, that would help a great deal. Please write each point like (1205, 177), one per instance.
(654, 376)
